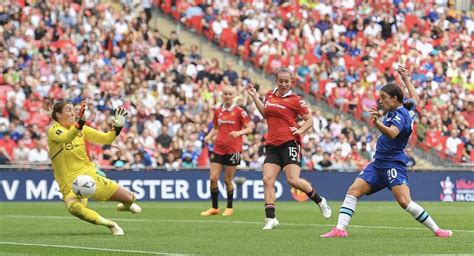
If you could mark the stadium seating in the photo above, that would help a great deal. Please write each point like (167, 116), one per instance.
(139, 68)
(427, 45)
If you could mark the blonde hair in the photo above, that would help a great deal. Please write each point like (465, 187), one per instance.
(283, 70)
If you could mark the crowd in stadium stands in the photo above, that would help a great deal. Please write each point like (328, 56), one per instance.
(344, 51)
(108, 55)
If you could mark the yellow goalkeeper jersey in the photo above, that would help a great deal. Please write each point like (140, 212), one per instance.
(67, 150)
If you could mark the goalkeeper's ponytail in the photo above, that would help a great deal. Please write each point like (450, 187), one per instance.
(58, 108)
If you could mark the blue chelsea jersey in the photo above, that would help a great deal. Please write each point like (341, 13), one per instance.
(392, 150)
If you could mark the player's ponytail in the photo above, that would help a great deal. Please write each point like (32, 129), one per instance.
(409, 104)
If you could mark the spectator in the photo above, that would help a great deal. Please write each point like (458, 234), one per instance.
(4, 158)
(230, 73)
(21, 153)
(422, 128)
(411, 159)
(76, 64)
(453, 142)
(38, 155)
(194, 55)
(187, 161)
(172, 164)
(164, 139)
(469, 147)
(190, 154)
(7, 145)
(326, 162)
(137, 164)
(218, 26)
(317, 157)
(173, 41)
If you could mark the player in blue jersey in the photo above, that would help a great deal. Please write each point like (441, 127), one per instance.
(389, 166)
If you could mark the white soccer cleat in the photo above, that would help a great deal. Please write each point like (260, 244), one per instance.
(271, 223)
(134, 208)
(116, 230)
(325, 209)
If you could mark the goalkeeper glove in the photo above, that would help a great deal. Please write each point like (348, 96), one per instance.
(119, 119)
(83, 115)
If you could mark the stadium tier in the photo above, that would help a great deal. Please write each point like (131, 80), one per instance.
(344, 51)
(109, 54)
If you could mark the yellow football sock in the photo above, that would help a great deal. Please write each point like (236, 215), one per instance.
(85, 201)
(77, 208)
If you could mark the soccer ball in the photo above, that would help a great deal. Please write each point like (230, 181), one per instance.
(84, 186)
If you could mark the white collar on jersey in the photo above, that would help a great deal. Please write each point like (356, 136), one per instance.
(289, 93)
(229, 108)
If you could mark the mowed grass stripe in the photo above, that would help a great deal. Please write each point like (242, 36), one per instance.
(87, 248)
(226, 222)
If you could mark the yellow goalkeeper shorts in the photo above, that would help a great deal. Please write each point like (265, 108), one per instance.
(105, 188)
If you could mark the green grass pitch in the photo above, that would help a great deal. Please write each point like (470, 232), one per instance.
(177, 228)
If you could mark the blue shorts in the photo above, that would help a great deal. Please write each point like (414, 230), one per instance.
(382, 174)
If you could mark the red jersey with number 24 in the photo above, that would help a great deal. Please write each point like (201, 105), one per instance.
(281, 114)
(227, 120)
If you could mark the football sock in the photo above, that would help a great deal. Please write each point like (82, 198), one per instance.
(270, 211)
(421, 216)
(85, 201)
(77, 208)
(214, 196)
(314, 196)
(127, 205)
(230, 198)
(347, 210)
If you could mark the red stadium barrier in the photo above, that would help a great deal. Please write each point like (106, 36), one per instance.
(229, 39)
(196, 23)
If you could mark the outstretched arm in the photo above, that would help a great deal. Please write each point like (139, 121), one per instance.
(405, 77)
(95, 136)
(98, 137)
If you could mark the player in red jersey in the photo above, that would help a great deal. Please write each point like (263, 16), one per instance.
(282, 108)
(230, 123)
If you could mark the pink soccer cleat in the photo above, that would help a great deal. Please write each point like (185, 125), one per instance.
(335, 232)
(443, 233)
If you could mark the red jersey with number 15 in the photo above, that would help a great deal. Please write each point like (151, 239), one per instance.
(281, 114)
(227, 120)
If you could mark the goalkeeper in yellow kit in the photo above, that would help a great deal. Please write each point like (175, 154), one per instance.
(67, 151)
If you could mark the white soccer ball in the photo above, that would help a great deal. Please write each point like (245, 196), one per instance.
(84, 186)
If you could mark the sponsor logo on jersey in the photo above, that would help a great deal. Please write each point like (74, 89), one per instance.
(220, 121)
(269, 104)
(69, 146)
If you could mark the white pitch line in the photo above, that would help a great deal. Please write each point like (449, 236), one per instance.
(87, 248)
(228, 222)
